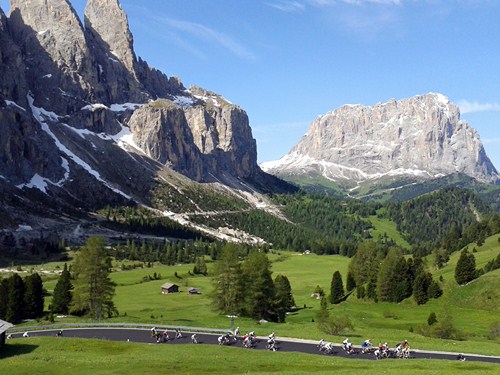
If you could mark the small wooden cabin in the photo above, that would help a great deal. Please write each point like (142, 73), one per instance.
(169, 288)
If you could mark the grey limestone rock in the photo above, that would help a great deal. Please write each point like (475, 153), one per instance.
(421, 136)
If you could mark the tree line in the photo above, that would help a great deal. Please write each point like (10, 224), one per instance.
(86, 290)
(382, 273)
(21, 298)
(450, 219)
(243, 285)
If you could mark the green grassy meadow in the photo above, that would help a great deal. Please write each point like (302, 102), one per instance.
(473, 308)
(50, 355)
(387, 227)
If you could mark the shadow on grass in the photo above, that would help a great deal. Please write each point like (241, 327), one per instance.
(12, 350)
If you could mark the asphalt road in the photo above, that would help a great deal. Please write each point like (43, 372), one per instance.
(284, 345)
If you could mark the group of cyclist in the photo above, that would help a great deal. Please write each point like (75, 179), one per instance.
(401, 350)
(248, 340)
(162, 337)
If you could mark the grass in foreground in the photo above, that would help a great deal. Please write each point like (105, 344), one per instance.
(46, 355)
(474, 308)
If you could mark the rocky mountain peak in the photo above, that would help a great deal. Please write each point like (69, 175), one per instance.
(421, 136)
(88, 124)
(52, 25)
(57, 58)
(115, 35)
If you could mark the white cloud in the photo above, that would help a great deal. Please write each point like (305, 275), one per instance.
(288, 6)
(296, 6)
(205, 33)
(186, 34)
(470, 107)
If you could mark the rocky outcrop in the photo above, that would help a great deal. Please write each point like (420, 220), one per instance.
(112, 48)
(70, 95)
(25, 151)
(161, 131)
(119, 72)
(13, 83)
(115, 35)
(79, 74)
(59, 64)
(221, 129)
(421, 136)
(204, 137)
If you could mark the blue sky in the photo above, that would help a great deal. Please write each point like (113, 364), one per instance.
(288, 61)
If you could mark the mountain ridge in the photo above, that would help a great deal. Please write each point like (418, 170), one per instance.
(86, 123)
(422, 137)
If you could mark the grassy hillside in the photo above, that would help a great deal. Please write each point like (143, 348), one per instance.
(385, 227)
(44, 355)
(472, 308)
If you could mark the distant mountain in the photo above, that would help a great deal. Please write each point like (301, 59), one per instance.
(410, 140)
(86, 124)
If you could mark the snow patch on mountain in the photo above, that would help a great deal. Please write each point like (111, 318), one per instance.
(42, 116)
(422, 137)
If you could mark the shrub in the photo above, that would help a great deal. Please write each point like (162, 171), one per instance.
(336, 325)
(432, 319)
(390, 314)
(494, 333)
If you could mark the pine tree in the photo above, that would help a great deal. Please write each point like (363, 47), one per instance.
(93, 289)
(432, 319)
(61, 299)
(200, 266)
(322, 315)
(227, 294)
(33, 296)
(421, 287)
(259, 287)
(336, 288)
(371, 291)
(15, 299)
(360, 291)
(434, 290)
(465, 269)
(284, 298)
(392, 282)
(351, 282)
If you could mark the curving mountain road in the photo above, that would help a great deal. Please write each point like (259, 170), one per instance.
(284, 344)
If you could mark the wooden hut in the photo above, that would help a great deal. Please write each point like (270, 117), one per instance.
(169, 288)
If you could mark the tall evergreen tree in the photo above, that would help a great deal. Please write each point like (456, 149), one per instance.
(434, 290)
(227, 293)
(259, 287)
(364, 265)
(421, 287)
(336, 288)
(93, 289)
(392, 282)
(360, 291)
(371, 291)
(15, 299)
(284, 298)
(350, 282)
(61, 299)
(33, 296)
(200, 266)
(322, 315)
(465, 269)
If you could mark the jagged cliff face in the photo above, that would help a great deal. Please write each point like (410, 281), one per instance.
(422, 136)
(86, 122)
